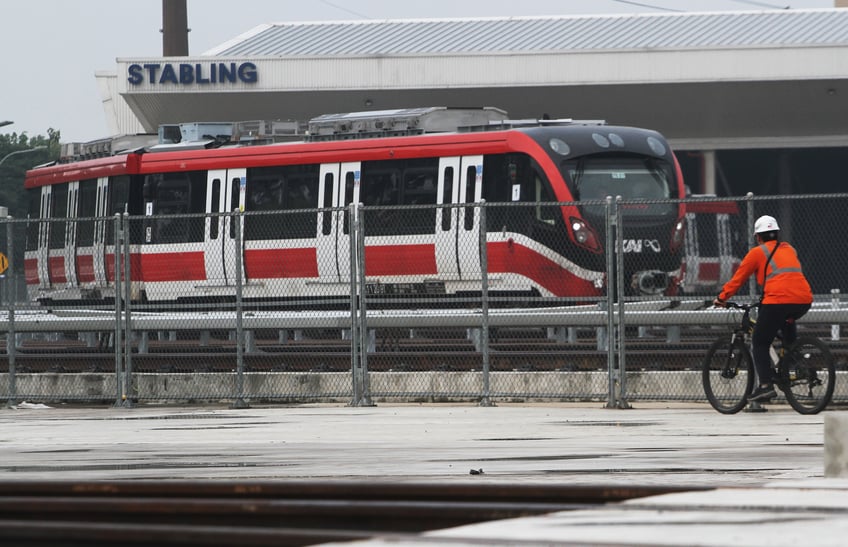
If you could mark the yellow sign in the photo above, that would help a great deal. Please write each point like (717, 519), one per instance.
(4, 263)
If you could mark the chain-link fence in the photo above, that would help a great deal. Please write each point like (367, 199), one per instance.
(602, 300)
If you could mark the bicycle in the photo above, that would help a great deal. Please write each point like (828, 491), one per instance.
(806, 372)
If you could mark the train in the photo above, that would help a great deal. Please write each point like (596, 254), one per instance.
(543, 183)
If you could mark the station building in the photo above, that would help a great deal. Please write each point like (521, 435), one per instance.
(751, 101)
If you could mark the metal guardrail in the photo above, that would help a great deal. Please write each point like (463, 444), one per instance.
(654, 313)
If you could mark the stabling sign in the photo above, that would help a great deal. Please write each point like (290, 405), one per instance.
(4, 263)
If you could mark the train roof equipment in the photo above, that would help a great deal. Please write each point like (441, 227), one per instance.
(327, 127)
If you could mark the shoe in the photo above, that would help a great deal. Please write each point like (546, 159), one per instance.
(763, 393)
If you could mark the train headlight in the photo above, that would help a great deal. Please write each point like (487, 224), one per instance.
(584, 235)
(677, 235)
(579, 233)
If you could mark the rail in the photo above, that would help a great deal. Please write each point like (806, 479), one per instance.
(280, 513)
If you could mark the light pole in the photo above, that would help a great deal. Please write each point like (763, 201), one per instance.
(16, 152)
(6, 122)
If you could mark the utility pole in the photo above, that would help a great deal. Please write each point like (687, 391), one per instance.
(174, 28)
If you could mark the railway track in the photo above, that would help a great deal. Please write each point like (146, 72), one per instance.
(573, 360)
(334, 356)
(172, 513)
(392, 349)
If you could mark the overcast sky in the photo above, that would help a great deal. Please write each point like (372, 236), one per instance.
(51, 49)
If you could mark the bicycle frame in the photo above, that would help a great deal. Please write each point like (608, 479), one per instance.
(804, 372)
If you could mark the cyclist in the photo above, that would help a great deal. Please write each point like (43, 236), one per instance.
(786, 297)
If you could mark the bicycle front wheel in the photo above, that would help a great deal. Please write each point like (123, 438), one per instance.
(728, 375)
(807, 375)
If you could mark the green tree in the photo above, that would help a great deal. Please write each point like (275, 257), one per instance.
(13, 170)
(12, 191)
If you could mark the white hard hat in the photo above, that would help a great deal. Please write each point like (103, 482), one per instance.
(765, 224)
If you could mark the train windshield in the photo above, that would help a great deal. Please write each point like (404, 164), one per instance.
(631, 177)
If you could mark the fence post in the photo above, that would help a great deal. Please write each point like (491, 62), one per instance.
(127, 286)
(11, 292)
(609, 219)
(118, 334)
(749, 202)
(354, 319)
(358, 309)
(621, 401)
(834, 304)
(484, 304)
(239, 401)
(359, 255)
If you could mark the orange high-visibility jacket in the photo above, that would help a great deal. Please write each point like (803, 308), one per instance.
(785, 283)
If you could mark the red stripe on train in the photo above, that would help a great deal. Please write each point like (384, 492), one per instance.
(56, 265)
(510, 257)
(173, 267)
(31, 271)
(400, 260)
(85, 268)
(279, 263)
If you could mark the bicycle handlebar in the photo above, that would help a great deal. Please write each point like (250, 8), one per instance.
(743, 307)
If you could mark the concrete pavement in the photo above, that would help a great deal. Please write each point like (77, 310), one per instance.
(769, 466)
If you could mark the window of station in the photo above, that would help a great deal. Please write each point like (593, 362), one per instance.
(282, 188)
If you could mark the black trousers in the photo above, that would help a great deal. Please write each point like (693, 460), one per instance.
(770, 319)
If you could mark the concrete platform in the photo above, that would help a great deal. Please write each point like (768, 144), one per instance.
(769, 466)
(778, 514)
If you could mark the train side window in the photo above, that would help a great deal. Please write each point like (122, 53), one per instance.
(419, 188)
(380, 186)
(380, 189)
(512, 178)
(235, 189)
(119, 195)
(389, 183)
(86, 213)
(178, 194)
(59, 225)
(264, 193)
(350, 181)
(282, 188)
(301, 198)
(327, 220)
(470, 179)
(215, 199)
(447, 213)
(543, 194)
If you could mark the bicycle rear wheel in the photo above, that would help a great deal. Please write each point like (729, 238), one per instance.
(728, 375)
(807, 375)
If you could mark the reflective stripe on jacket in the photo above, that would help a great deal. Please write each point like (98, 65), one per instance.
(785, 282)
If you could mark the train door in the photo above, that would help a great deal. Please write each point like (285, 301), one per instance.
(339, 187)
(100, 235)
(458, 229)
(225, 192)
(57, 252)
(43, 247)
(69, 227)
